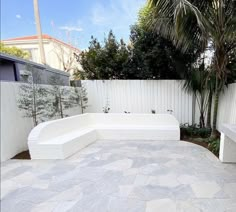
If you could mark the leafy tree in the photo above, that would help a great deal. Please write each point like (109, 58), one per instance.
(104, 62)
(153, 56)
(192, 21)
(149, 56)
(14, 51)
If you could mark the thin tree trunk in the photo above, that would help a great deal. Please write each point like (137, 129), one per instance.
(34, 112)
(60, 103)
(209, 109)
(82, 108)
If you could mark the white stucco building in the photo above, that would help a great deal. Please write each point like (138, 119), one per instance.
(59, 55)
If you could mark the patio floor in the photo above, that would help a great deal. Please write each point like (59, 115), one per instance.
(122, 176)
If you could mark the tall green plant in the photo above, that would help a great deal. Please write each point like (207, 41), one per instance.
(193, 21)
(196, 83)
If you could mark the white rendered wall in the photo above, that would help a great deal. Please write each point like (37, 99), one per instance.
(14, 127)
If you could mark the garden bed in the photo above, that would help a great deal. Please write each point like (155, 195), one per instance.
(200, 136)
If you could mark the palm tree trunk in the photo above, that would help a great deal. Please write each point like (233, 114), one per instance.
(202, 117)
(209, 109)
(215, 113)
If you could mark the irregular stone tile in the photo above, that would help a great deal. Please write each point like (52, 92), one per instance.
(166, 205)
(94, 202)
(124, 191)
(183, 192)
(124, 204)
(132, 171)
(119, 165)
(214, 205)
(14, 172)
(7, 206)
(9, 165)
(186, 206)
(141, 180)
(150, 192)
(230, 189)
(28, 194)
(150, 169)
(45, 207)
(187, 179)
(205, 189)
(8, 186)
(127, 179)
(68, 195)
(167, 180)
(64, 206)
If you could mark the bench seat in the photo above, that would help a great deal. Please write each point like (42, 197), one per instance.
(63, 146)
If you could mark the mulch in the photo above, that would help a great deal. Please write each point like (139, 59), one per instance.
(22, 156)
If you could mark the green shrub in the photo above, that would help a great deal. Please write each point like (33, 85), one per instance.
(214, 146)
(194, 131)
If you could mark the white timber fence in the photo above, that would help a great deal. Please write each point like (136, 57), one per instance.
(227, 106)
(15, 127)
(140, 96)
(163, 96)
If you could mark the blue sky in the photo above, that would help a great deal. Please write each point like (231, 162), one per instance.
(70, 20)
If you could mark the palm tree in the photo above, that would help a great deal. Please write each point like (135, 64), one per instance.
(200, 21)
(195, 83)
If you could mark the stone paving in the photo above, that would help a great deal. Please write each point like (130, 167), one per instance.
(120, 176)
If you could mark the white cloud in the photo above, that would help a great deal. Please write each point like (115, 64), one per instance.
(18, 16)
(98, 15)
(116, 13)
(71, 28)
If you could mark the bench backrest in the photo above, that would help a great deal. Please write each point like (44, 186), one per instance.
(133, 119)
(55, 128)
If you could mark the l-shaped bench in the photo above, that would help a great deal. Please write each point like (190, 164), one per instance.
(59, 139)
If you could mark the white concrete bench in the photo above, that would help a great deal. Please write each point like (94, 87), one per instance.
(228, 143)
(61, 138)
